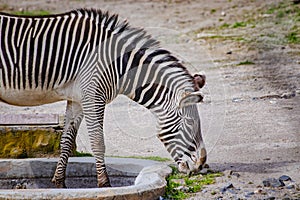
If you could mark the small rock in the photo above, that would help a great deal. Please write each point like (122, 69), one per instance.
(249, 194)
(204, 191)
(259, 191)
(223, 13)
(229, 185)
(226, 187)
(182, 188)
(286, 197)
(223, 190)
(230, 173)
(288, 95)
(291, 186)
(285, 178)
(269, 198)
(273, 182)
(231, 191)
(236, 100)
(236, 174)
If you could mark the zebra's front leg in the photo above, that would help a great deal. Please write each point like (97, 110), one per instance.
(74, 117)
(94, 113)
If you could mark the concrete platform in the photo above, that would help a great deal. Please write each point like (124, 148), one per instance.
(131, 178)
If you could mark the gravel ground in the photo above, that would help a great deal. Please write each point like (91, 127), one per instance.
(251, 111)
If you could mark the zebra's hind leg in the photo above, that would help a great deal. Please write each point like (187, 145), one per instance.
(73, 119)
(94, 113)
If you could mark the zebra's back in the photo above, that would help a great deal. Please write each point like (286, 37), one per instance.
(40, 55)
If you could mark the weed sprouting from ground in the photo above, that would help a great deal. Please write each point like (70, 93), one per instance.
(247, 62)
(31, 12)
(293, 38)
(181, 186)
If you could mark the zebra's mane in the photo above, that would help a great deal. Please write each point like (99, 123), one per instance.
(120, 26)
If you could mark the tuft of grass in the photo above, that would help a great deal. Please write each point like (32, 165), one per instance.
(239, 24)
(271, 10)
(293, 38)
(82, 154)
(190, 185)
(31, 12)
(225, 25)
(213, 11)
(247, 62)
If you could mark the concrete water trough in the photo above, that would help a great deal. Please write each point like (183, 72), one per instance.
(130, 179)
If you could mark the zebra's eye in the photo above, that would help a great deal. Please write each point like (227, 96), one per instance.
(194, 158)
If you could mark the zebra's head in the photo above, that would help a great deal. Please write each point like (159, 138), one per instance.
(184, 142)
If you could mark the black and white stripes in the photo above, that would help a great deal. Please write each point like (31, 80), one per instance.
(88, 57)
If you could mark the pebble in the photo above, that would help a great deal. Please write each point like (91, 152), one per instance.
(230, 173)
(288, 95)
(290, 186)
(249, 194)
(182, 188)
(285, 178)
(273, 182)
(236, 100)
(259, 191)
(226, 187)
(286, 198)
(269, 198)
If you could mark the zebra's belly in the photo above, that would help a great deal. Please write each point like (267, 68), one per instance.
(29, 98)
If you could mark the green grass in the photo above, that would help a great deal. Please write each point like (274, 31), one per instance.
(31, 12)
(247, 62)
(82, 154)
(225, 25)
(293, 38)
(239, 24)
(191, 184)
(213, 11)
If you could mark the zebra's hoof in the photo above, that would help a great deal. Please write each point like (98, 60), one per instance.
(107, 184)
(59, 184)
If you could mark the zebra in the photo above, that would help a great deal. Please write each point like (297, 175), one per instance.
(88, 57)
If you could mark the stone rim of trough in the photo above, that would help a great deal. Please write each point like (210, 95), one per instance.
(150, 182)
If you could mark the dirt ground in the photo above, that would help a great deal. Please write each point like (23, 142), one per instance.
(249, 51)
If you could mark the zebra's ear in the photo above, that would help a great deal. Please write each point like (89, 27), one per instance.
(190, 99)
(199, 81)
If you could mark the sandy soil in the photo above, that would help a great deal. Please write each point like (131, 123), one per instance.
(251, 113)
